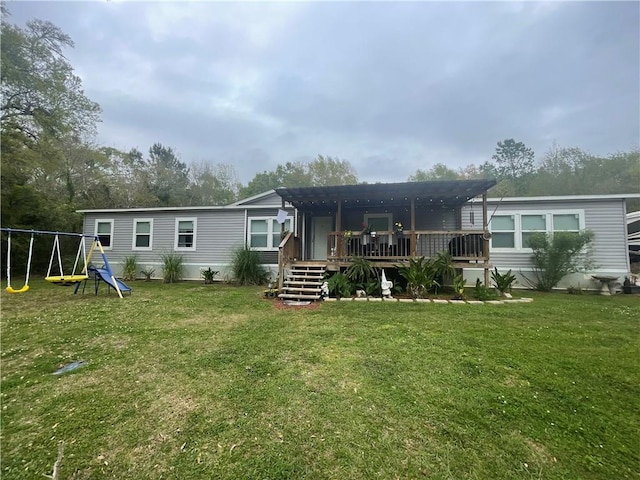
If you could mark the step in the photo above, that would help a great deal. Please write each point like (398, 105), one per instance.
(310, 263)
(301, 289)
(302, 282)
(294, 296)
(315, 278)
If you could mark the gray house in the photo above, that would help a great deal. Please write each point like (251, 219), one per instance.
(386, 223)
(512, 219)
(204, 236)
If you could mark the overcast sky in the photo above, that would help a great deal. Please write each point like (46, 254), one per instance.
(391, 87)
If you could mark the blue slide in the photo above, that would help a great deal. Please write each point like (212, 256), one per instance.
(105, 276)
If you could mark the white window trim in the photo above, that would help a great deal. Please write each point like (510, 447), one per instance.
(515, 232)
(269, 233)
(177, 234)
(135, 235)
(95, 231)
(549, 226)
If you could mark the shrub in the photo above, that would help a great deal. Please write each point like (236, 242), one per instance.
(361, 271)
(148, 273)
(483, 293)
(503, 282)
(419, 274)
(372, 288)
(571, 290)
(208, 274)
(443, 267)
(556, 255)
(458, 286)
(130, 268)
(173, 267)
(339, 285)
(246, 267)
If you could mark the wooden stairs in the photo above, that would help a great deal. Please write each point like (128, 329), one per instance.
(304, 281)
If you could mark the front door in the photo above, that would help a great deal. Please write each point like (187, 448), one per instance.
(320, 228)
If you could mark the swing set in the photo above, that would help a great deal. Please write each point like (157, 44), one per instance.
(77, 274)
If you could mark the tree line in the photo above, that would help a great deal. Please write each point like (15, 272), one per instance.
(51, 165)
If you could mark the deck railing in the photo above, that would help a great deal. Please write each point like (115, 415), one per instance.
(463, 245)
(288, 251)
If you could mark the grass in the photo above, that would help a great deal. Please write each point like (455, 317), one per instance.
(211, 381)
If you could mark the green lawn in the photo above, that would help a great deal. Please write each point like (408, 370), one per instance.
(191, 381)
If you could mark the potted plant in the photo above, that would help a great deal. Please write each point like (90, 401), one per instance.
(366, 233)
(629, 287)
(346, 238)
(398, 229)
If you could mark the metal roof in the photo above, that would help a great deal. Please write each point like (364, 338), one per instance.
(446, 192)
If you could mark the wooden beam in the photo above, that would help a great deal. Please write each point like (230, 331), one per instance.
(414, 239)
(485, 239)
(339, 229)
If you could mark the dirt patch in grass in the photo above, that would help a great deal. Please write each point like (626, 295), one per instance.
(280, 305)
(224, 321)
(540, 453)
(109, 342)
(515, 381)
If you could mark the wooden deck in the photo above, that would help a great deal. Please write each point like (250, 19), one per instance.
(468, 248)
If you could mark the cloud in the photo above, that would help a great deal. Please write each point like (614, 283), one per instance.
(391, 87)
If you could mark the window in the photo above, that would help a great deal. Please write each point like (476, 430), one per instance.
(275, 236)
(185, 234)
(258, 233)
(264, 233)
(566, 222)
(531, 224)
(104, 231)
(503, 229)
(380, 222)
(142, 234)
(514, 231)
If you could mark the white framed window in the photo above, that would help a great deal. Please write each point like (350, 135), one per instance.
(142, 234)
(513, 231)
(186, 230)
(530, 224)
(380, 222)
(567, 222)
(264, 232)
(503, 231)
(104, 231)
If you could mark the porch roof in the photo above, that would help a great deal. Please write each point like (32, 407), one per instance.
(446, 192)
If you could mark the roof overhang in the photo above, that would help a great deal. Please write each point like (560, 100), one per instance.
(445, 192)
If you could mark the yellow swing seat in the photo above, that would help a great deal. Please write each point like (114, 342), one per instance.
(20, 290)
(66, 279)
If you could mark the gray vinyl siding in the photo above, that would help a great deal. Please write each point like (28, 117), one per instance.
(437, 218)
(426, 218)
(604, 217)
(268, 201)
(268, 257)
(218, 232)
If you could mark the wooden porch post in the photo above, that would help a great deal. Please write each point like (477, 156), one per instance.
(339, 229)
(485, 239)
(280, 257)
(282, 224)
(414, 239)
